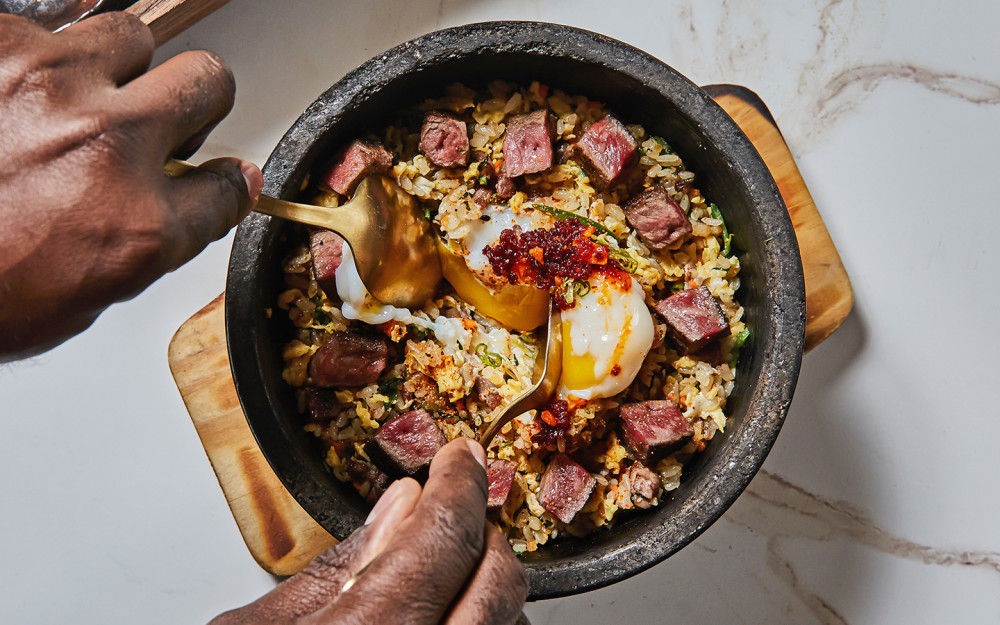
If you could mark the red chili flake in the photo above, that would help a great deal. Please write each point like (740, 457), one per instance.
(545, 258)
(617, 369)
(552, 422)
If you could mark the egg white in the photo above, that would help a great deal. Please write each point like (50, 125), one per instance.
(484, 233)
(361, 305)
(605, 328)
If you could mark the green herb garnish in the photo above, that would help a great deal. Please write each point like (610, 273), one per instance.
(562, 215)
(726, 237)
(666, 149)
(390, 388)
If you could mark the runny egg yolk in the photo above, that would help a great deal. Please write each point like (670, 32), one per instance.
(606, 336)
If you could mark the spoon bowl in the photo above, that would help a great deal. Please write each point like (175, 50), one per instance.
(393, 245)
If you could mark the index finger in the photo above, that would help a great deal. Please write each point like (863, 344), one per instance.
(427, 564)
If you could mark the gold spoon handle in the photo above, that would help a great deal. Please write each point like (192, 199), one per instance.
(545, 378)
(343, 219)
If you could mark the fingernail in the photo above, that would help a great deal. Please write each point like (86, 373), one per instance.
(477, 451)
(254, 178)
(392, 508)
(385, 502)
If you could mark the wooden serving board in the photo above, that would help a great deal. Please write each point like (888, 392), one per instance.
(281, 536)
(168, 18)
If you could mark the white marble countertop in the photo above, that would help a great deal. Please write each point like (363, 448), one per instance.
(880, 501)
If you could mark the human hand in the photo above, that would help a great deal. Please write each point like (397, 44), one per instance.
(87, 216)
(433, 559)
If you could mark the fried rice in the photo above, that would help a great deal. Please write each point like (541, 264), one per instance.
(442, 378)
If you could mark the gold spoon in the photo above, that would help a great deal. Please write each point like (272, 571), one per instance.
(544, 378)
(399, 261)
(393, 244)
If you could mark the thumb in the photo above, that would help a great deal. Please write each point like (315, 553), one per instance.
(207, 202)
(321, 582)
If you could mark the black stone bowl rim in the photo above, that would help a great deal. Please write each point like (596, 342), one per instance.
(776, 345)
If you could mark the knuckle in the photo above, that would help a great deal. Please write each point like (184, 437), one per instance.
(28, 73)
(214, 69)
(125, 26)
(452, 523)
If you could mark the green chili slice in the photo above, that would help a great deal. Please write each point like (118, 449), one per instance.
(624, 260)
(562, 215)
(489, 358)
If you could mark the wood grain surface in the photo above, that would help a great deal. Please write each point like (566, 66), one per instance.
(168, 18)
(829, 296)
(281, 536)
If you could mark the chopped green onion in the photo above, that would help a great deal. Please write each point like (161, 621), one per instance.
(427, 212)
(567, 289)
(742, 337)
(575, 288)
(489, 358)
(563, 215)
(676, 287)
(663, 144)
(483, 180)
(390, 388)
(321, 317)
(726, 237)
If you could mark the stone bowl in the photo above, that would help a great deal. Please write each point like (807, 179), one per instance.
(640, 89)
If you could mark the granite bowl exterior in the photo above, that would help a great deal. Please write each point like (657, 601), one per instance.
(640, 88)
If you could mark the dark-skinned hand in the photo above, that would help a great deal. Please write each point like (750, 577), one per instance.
(87, 217)
(434, 559)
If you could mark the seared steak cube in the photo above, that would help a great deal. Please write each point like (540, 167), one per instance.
(499, 476)
(444, 140)
(607, 150)
(349, 359)
(327, 249)
(405, 445)
(362, 472)
(527, 144)
(693, 318)
(354, 163)
(482, 197)
(321, 406)
(657, 218)
(641, 485)
(487, 393)
(652, 428)
(565, 487)
(506, 187)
